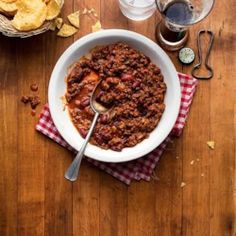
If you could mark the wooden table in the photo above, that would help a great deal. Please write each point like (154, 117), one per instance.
(35, 199)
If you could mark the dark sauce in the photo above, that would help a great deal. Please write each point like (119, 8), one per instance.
(179, 12)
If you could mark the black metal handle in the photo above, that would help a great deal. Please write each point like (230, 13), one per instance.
(208, 67)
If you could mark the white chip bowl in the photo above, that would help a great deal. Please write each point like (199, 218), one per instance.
(57, 88)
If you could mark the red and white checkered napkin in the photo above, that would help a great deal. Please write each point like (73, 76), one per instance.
(143, 167)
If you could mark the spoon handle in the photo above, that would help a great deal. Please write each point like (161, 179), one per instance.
(73, 171)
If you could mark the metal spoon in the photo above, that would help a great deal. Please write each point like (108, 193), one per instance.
(73, 171)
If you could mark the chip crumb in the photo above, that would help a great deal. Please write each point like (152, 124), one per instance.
(52, 26)
(177, 157)
(85, 11)
(197, 159)
(202, 174)
(91, 10)
(97, 26)
(59, 2)
(211, 144)
(58, 22)
(192, 162)
(182, 184)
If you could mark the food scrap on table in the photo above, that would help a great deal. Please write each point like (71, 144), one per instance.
(192, 162)
(97, 26)
(183, 184)
(211, 144)
(52, 26)
(67, 31)
(92, 10)
(85, 11)
(58, 22)
(34, 87)
(33, 112)
(74, 19)
(24, 99)
(34, 101)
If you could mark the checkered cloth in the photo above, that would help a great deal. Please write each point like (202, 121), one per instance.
(143, 167)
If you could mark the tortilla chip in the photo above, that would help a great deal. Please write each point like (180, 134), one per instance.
(91, 10)
(58, 21)
(9, 8)
(74, 19)
(67, 30)
(85, 11)
(211, 144)
(59, 2)
(97, 26)
(30, 15)
(53, 10)
(8, 1)
(52, 26)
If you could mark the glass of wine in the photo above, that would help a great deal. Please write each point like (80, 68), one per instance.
(178, 15)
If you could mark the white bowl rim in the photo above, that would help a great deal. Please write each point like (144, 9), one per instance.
(99, 156)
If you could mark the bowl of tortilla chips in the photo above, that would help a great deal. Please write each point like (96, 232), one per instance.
(25, 18)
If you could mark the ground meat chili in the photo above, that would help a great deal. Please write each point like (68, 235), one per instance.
(131, 85)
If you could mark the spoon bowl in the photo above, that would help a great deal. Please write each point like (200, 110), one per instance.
(96, 106)
(73, 171)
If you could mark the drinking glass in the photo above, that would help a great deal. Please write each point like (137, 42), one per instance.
(137, 9)
(177, 16)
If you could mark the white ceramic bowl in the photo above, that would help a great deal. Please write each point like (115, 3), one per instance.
(57, 88)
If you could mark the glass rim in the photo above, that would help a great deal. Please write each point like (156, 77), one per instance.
(195, 22)
(128, 4)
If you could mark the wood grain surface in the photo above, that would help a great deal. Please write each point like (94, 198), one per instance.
(35, 199)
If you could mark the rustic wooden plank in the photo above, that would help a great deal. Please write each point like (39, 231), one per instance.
(168, 178)
(58, 191)
(113, 206)
(86, 202)
(141, 209)
(234, 226)
(141, 196)
(196, 212)
(113, 194)
(222, 101)
(112, 18)
(86, 189)
(30, 67)
(168, 194)
(8, 137)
